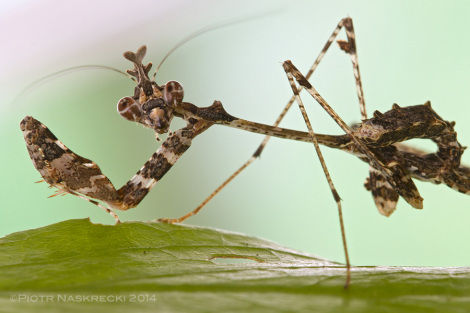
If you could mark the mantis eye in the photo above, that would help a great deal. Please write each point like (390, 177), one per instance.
(130, 109)
(173, 93)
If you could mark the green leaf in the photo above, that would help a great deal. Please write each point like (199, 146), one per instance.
(76, 266)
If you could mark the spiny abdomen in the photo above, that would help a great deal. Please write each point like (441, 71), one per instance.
(400, 124)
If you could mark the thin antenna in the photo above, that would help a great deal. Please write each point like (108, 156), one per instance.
(71, 69)
(211, 28)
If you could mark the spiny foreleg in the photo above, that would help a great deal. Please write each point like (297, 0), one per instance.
(60, 167)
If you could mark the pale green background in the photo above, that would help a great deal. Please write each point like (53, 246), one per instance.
(409, 52)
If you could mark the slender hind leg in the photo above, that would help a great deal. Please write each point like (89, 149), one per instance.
(395, 173)
(349, 47)
(325, 170)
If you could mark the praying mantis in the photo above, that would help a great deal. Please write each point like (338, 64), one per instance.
(376, 141)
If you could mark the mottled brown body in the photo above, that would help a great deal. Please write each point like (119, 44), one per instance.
(154, 106)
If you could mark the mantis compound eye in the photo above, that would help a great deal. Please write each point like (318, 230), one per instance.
(130, 109)
(173, 93)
